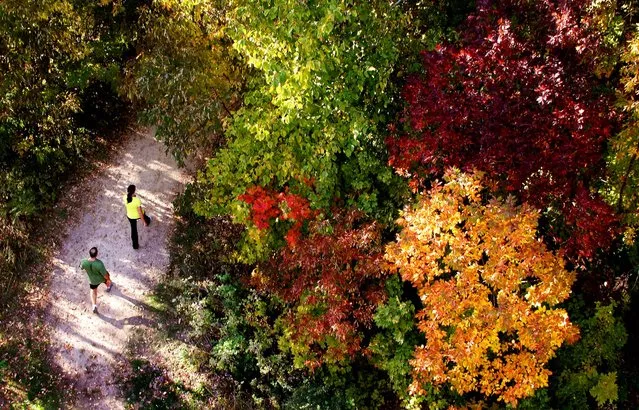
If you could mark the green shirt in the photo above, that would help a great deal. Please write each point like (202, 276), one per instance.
(95, 269)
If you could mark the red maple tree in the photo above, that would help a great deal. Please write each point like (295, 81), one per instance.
(517, 98)
(332, 281)
(267, 205)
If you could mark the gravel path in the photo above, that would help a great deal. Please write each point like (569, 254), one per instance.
(88, 347)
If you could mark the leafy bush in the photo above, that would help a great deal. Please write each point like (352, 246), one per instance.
(357, 386)
(44, 133)
(186, 77)
(587, 371)
(394, 345)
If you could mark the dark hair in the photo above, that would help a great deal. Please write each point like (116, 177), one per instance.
(93, 252)
(129, 193)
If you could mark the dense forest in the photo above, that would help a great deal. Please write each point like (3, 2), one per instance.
(399, 204)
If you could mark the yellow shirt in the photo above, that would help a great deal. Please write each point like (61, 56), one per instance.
(132, 207)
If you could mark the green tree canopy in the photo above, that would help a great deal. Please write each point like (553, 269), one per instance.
(313, 114)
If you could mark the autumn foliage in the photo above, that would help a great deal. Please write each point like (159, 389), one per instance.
(267, 205)
(518, 98)
(332, 280)
(488, 288)
(313, 125)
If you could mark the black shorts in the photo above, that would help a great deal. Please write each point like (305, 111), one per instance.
(94, 286)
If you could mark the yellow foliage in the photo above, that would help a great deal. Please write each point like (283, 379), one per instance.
(487, 286)
(622, 189)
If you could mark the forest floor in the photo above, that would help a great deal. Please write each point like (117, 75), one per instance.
(90, 348)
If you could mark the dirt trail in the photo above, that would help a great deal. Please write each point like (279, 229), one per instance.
(88, 347)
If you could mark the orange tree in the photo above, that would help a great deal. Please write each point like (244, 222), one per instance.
(488, 289)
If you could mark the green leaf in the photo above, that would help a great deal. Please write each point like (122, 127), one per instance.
(606, 390)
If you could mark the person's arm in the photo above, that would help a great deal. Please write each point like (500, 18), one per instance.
(141, 214)
(140, 211)
(105, 274)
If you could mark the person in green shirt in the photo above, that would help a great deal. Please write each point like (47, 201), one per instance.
(97, 275)
(134, 212)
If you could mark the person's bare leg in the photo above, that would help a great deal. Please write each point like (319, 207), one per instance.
(94, 298)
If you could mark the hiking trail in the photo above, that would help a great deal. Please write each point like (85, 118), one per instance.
(88, 347)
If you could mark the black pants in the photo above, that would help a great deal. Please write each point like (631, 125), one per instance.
(134, 230)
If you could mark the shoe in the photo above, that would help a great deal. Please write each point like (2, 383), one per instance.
(95, 310)
(109, 288)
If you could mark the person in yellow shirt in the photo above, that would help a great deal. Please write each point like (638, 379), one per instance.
(134, 212)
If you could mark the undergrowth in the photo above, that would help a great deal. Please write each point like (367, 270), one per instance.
(27, 378)
(170, 366)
